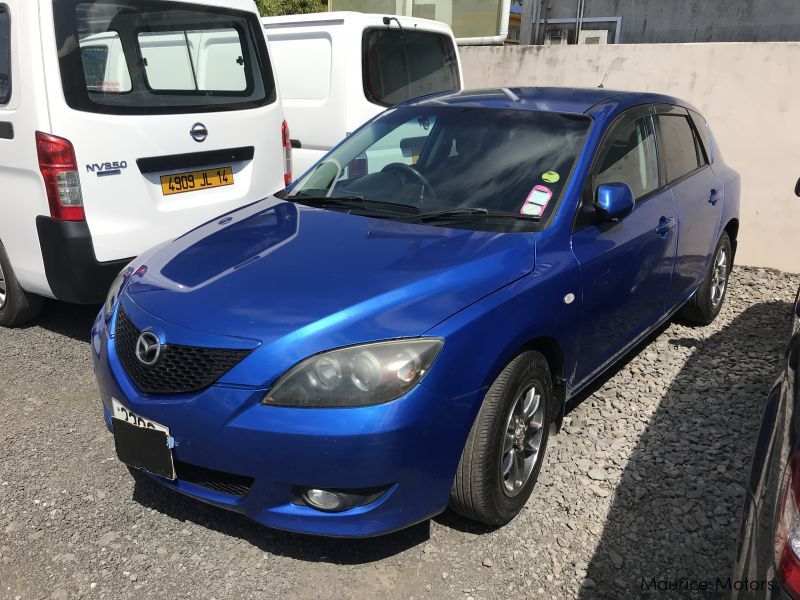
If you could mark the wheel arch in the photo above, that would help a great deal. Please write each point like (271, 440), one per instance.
(553, 352)
(732, 229)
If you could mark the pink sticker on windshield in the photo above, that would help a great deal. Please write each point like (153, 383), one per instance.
(536, 201)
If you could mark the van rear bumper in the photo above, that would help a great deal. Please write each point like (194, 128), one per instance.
(72, 271)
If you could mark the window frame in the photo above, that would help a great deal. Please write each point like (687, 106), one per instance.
(678, 111)
(365, 63)
(583, 218)
(5, 9)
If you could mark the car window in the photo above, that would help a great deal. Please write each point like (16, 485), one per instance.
(5, 55)
(402, 65)
(701, 127)
(629, 156)
(151, 56)
(681, 152)
(402, 145)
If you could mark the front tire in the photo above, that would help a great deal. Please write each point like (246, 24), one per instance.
(506, 445)
(707, 301)
(17, 307)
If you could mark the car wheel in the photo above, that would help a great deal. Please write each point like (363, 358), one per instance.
(505, 448)
(707, 301)
(16, 305)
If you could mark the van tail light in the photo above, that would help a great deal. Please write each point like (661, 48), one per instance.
(287, 154)
(60, 172)
(787, 530)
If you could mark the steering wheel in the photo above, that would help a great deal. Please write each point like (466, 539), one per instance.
(405, 170)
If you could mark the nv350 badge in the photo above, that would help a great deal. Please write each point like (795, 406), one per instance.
(107, 168)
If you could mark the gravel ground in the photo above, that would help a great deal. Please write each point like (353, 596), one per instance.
(645, 480)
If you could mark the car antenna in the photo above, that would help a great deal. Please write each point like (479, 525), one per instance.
(601, 86)
(388, 21)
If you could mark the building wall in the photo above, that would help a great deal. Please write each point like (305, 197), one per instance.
(665, 21)
(750, 94)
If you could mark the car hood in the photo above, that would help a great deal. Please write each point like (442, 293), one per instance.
(316, 279)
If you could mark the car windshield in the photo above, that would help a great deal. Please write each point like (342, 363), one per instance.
(481, 168)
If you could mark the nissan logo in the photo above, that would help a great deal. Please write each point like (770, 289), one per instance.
(148, 349)
(199, 132)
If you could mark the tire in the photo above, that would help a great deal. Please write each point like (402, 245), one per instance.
(17, 307)
(704, 306)
(481, 490)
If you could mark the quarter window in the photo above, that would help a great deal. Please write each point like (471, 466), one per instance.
(629, 156)
(681, 150)
(701, 127)
(5, 56)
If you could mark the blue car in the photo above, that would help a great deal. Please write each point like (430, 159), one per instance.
(399, 331)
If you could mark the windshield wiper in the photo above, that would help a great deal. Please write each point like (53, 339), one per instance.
(354, 202)
(463, 213)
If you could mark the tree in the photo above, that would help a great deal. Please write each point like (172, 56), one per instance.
(271, 8)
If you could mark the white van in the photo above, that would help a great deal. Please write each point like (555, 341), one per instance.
(125, 123)
(337, 70)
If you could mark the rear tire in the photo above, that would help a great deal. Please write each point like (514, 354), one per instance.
(707, 301)
(505, 448)
(17, 307)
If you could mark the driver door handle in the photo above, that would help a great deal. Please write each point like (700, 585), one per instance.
(665, 225)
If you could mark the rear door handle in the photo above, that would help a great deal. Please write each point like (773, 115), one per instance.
(714, 198)
(665, 225)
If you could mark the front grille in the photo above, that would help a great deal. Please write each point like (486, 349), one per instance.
(179, 370)
(218, 481)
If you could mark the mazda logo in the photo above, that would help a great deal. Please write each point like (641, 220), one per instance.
(199, 132)
(148, 349)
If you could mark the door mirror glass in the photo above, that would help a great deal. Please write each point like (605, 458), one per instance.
(614, 201)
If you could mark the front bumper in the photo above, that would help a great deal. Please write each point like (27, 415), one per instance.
(410, 446)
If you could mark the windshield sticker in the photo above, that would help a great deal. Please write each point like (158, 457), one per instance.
(551, 177)
(537, 201)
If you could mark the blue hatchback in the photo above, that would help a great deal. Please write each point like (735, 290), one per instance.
(400, 330)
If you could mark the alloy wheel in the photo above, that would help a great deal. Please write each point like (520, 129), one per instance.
(522, 440)
(719, 277)
(3, 288)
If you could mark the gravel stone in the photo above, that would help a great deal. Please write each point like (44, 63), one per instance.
(644, 480)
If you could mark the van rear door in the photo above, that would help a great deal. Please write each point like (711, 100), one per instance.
(172, 110)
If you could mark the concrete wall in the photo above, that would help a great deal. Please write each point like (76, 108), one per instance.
(750, 94)
(657, 21)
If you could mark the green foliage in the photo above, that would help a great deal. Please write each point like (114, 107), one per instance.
(271, 8)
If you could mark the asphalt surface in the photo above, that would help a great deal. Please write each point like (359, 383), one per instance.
(646, 480)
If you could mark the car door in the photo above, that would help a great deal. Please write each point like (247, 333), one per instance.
(698, 197)
(626, 265)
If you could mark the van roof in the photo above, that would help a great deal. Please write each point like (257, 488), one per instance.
(322, 18)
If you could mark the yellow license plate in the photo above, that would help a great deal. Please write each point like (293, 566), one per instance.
(196, 180)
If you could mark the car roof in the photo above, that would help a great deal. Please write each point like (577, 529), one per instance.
(577, 101)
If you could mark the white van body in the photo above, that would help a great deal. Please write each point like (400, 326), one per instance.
(136, 106)
(320, 61)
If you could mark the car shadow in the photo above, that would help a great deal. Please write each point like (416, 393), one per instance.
(70, 320)
(339, 551)
(675, 513)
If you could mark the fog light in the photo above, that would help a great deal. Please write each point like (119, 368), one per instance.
(324, 500)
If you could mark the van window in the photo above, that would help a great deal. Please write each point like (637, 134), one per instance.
(399, 65)
(5, 56)
(156, 57)
(681, 150)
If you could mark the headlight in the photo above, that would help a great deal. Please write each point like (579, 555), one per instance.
(356, 376)
(115, 290)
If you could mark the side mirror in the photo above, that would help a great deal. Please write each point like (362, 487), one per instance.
(614, 201)
(797, 188)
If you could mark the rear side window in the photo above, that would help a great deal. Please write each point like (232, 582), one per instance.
(681, 150)
(402, 65)
(701, 127)
(5, 55)
(156, 57)
(629, 156)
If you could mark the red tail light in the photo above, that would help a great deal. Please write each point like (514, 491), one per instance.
(287, 154)
(787, 530)
(60, 172)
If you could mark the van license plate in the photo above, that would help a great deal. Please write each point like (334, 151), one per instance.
(180, 183)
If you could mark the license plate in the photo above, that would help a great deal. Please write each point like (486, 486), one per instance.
(180, 183)
(142, 443)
